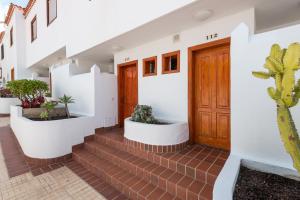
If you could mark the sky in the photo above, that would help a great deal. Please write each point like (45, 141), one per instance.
(5, 3)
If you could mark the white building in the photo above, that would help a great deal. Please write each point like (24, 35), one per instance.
(153, 49)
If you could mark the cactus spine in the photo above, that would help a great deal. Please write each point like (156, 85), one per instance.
(282, 64)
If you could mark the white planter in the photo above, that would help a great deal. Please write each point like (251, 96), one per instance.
(154, 134)
(49, 139)
(5, 104)
(226, 180)
(225, 183)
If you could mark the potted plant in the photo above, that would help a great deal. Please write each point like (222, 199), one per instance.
(30, 92)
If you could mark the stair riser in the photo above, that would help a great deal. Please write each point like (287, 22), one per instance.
(146, 175)
(154, 158)
(114, 178)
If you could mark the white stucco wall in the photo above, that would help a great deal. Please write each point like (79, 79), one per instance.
(14, 56)
(49, 139)
(254, 131)
(94, 93)
(49, 38)
(5, 104)
(168, 93)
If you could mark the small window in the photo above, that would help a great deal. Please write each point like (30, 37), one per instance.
(11, 34)
(51, 11)
(171, 62)
(150, 66)
(33, 29)
(2, 52)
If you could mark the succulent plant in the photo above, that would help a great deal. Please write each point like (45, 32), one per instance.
(282, 64)
(143, 114)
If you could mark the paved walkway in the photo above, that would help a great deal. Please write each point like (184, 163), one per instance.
(59, 184)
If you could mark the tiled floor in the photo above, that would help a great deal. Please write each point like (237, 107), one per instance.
(12, 153)
(59, 184)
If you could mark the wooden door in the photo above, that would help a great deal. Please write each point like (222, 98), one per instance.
(211, 96)
(128, 90)
(12, 74)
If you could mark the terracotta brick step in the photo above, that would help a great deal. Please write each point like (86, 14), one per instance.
(130, 185)
(197, 161)
(166, 179)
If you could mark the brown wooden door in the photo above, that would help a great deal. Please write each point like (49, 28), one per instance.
(211, 98)
(12, 74)
(128, 90)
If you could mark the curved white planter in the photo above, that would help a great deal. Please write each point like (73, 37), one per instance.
(49, 139)
(5, 104)
(154, 134)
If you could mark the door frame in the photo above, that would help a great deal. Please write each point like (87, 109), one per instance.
(122, 65)
(191, 81)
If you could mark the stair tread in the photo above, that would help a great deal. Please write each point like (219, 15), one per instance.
(135, 183)
(171, 177)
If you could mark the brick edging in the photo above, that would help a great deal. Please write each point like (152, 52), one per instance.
(40, 163)
(156, 148)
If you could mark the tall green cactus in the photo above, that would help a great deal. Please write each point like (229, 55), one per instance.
(282, 64)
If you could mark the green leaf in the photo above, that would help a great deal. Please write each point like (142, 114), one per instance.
(261, 75)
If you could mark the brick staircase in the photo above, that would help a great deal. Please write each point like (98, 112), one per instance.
(187, 175)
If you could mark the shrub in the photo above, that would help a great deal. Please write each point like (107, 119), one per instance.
(5, 93)
(143, 114)
(30, 92)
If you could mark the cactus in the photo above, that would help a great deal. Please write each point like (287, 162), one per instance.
(282, 64)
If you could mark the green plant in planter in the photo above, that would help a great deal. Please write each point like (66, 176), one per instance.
(49, 106)
(143, 114)
(66, 100)
(30, 92)
(282, 65)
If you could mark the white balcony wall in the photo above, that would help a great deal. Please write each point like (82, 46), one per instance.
(106, 19)
(101, 19)
(49, 38)
(14, 56)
